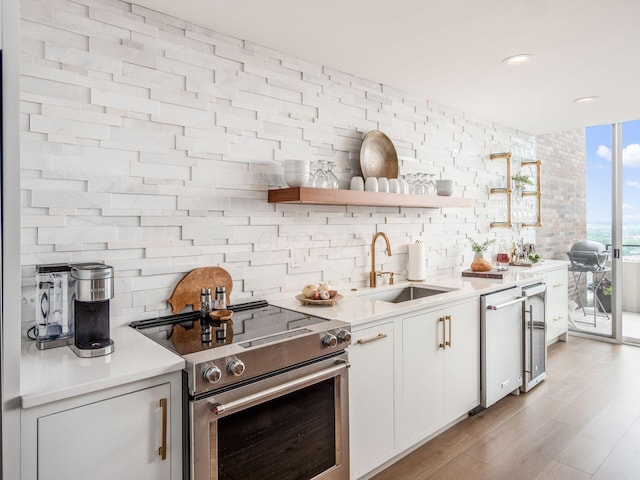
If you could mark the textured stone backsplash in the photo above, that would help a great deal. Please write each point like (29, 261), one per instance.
(149, 143)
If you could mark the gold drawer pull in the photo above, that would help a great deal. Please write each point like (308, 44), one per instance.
(559, 317)
(448, 317)
(162, 451)
(558, 285)
(380, 336)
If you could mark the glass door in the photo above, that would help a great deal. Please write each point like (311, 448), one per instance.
(609, 305)
(630, 232)
(590, 271)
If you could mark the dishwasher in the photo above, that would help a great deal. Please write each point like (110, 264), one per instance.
(501, 344)
(513, 341)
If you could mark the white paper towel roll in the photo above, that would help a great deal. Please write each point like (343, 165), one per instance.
(416, 263)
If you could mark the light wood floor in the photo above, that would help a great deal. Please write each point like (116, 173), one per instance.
(582, 422)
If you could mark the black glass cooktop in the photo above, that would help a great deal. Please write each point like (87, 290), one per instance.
(251, 325)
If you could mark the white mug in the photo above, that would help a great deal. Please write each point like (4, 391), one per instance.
(383, 184)
(371, 184)
(357, 183)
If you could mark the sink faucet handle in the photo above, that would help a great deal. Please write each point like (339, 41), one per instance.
(389, 274)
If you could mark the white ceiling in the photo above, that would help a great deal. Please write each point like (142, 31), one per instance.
(450, 51)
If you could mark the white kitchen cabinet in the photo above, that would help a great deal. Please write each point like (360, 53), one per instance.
(371, 397)
(440, 370)
(117, 433)
(422, 375)
(557, 305)
(462, 361)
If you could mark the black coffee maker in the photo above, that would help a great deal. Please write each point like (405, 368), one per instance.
(93, 290)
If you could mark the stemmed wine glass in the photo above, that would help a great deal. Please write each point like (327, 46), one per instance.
(332, 180)
(411, 179)
(320, 177)
(431, 184)
(421, 184)
(312, 172)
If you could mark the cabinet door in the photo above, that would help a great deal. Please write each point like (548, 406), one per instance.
(114, 438)
(462, 360)
(422, 375)
(371, 393)
(557, 305)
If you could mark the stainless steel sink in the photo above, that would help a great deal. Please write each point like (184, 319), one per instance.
(404, 294)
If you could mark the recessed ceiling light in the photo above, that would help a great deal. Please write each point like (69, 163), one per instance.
(585, 100)
(519, 59)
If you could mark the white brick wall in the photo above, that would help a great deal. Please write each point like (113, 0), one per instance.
(150, 143)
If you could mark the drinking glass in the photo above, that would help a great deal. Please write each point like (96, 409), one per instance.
(332, 180)
(431, 184)
(421, 184)
(312, 172)
(320, 177)
(411, 179)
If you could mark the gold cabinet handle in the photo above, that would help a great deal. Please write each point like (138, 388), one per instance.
(162, 451)
(448, 344)
(444, 343)
(559, 317)
(380, 336)
(557, 285)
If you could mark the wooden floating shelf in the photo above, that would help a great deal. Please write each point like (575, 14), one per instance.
(323, 196)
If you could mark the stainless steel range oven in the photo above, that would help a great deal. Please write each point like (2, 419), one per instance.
(266, 393)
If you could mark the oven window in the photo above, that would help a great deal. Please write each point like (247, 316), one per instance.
(292, 437)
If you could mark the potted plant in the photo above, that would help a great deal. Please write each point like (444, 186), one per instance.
(479, 263)
(603, 294)
(481, 247)
(520, 180)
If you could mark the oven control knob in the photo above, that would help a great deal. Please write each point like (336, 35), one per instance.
(212, 374)
(344, 336)
(236, 367)
(330, 340)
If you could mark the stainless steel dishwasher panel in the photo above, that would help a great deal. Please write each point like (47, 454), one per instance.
(501, 344)
(535, 336)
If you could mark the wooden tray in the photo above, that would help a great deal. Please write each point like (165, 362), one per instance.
(490, 274)
(187, 291)
(526, 264)
(306, 301)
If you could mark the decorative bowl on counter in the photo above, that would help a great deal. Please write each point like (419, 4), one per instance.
(308, 301)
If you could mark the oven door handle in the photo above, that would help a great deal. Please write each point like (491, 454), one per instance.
(238, 404)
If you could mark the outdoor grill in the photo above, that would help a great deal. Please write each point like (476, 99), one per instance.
(588, 256)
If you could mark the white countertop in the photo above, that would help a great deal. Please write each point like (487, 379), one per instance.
(56, 374)
(358, 309)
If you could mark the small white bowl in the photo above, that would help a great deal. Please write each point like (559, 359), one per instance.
(394, 185)
(297, 179)
(295, 163)
(383, 184)
(444, 183)
(295, 168)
